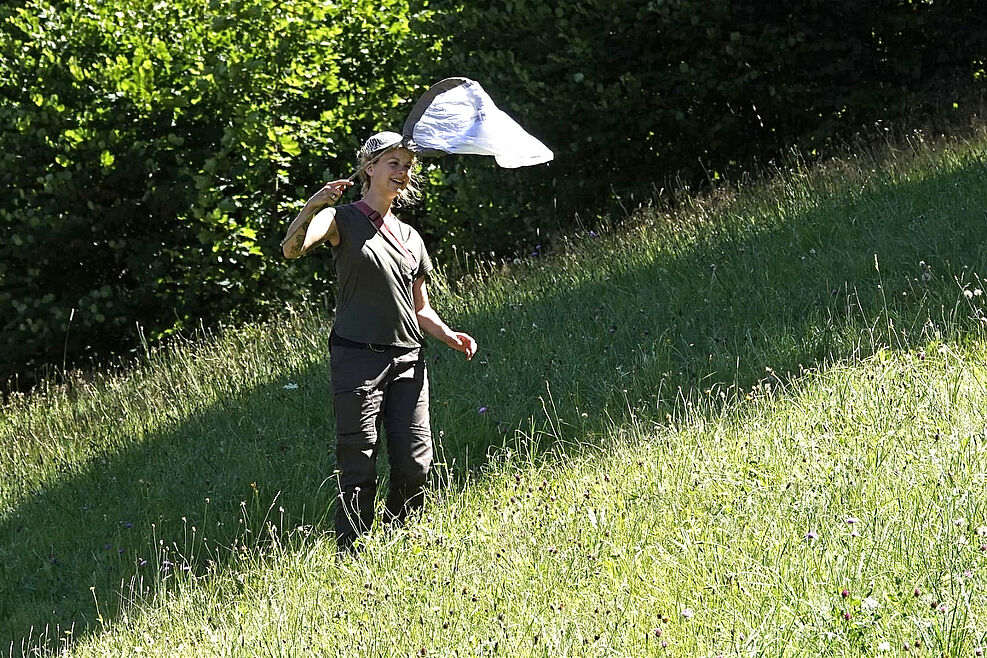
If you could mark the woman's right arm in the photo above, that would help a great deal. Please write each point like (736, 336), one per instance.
(316, 223)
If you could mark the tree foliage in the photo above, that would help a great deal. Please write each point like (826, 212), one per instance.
(151, 151)
(638, 94)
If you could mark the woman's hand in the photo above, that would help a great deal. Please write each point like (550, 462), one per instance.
(462, 342)
(330, 193)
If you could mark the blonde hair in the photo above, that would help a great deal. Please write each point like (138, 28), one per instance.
(410, 195)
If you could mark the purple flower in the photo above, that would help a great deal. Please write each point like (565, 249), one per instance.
(594, 234)
(811, 535)
(128, 525)
(481, 410)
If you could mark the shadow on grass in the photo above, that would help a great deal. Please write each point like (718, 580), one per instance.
(559, 360)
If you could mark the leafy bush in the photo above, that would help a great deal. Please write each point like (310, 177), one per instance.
(152, 152)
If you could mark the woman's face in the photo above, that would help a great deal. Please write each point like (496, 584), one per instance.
(391, 173)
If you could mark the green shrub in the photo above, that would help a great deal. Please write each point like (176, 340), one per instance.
(152, 153)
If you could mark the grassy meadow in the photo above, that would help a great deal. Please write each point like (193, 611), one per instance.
(751, 425)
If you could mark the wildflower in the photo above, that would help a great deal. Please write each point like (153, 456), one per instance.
(594, 234)
(869, 604)
(884, 646)
(481, 410)
(960, 522)
(977, 292)
(290, 386)
(968, 294)
(811, 535)
(128, 525)
(981, 531)
(852, 520)
(845, 593)
(688, 613)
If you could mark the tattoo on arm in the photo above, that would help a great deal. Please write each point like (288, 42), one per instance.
(299, 244)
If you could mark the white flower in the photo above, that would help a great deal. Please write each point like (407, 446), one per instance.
(884, 646)
(290, 386)
(869, 604)
(968, 294)
(688, 613)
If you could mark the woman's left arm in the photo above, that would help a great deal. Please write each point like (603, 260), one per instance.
(432, 324)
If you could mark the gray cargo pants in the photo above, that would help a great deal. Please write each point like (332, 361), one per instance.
(371, 388)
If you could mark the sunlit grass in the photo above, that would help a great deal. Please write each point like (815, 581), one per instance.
(695, 431)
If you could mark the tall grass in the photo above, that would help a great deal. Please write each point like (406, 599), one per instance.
(660, 446)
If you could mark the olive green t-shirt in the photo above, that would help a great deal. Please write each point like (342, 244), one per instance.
(375, 303)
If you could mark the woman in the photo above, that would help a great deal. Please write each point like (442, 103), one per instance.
(382, 313)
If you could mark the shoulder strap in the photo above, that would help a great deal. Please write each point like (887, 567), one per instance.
(381, 227)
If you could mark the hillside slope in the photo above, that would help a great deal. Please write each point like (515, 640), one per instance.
(667, 429)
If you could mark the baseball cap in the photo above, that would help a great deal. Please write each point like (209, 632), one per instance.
(379, 143)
